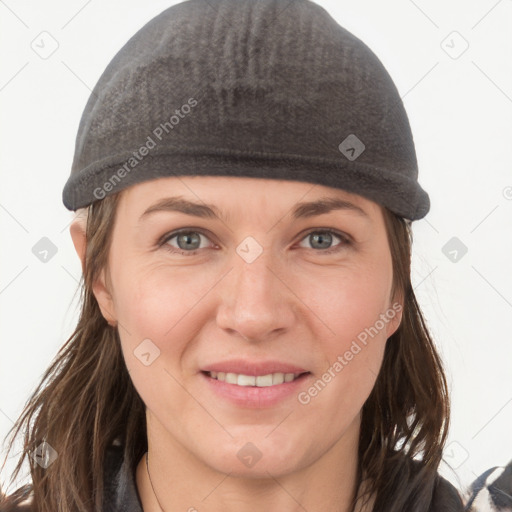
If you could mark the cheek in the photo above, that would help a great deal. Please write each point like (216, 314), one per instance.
(351, 356)
(151, 301)
(351, 304)
(153, 305)
(350, 300)
(160, 304)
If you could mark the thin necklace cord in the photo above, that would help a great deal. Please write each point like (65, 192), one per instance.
(150, 481)
(154, 492)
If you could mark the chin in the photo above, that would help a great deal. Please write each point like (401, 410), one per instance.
(255, 456)
(266, 467)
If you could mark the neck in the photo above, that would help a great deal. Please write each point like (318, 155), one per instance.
(178, 481)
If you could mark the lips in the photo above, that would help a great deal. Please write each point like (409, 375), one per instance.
(247, 396)
(253, 368)
(271, 379)
(246, 383)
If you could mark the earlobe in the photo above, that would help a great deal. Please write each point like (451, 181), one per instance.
(104, 299)
(78, 235)
(395, 313)
(394, 324)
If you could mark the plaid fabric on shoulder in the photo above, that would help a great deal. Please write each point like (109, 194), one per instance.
(491, 491)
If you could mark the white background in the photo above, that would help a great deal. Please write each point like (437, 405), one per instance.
(460, 111)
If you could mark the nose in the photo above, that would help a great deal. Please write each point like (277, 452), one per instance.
(255, 300)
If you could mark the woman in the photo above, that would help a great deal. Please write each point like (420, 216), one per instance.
(249, 336)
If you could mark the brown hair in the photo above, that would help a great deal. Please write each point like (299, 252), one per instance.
(406, 414)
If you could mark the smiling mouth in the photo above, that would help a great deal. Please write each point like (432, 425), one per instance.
(259, 381)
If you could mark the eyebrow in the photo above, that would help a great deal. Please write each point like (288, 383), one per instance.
(301, 210)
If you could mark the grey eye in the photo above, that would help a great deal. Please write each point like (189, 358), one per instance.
(324, 239)
(190, 240)
(320, 239)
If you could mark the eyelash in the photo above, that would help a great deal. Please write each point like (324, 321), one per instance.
(345, 241)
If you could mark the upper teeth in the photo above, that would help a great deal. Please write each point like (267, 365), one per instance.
(250, 380)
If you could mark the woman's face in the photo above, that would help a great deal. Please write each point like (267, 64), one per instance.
(267, 287)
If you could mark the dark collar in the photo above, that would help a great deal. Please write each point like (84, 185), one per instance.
(121, 491)
(120, 487)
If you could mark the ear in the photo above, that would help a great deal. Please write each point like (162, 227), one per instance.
(394, 314)
(77, 230)
(100, 289)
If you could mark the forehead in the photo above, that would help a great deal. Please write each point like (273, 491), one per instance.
(220, 195)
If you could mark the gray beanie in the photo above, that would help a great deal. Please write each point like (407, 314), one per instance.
(256, 88)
